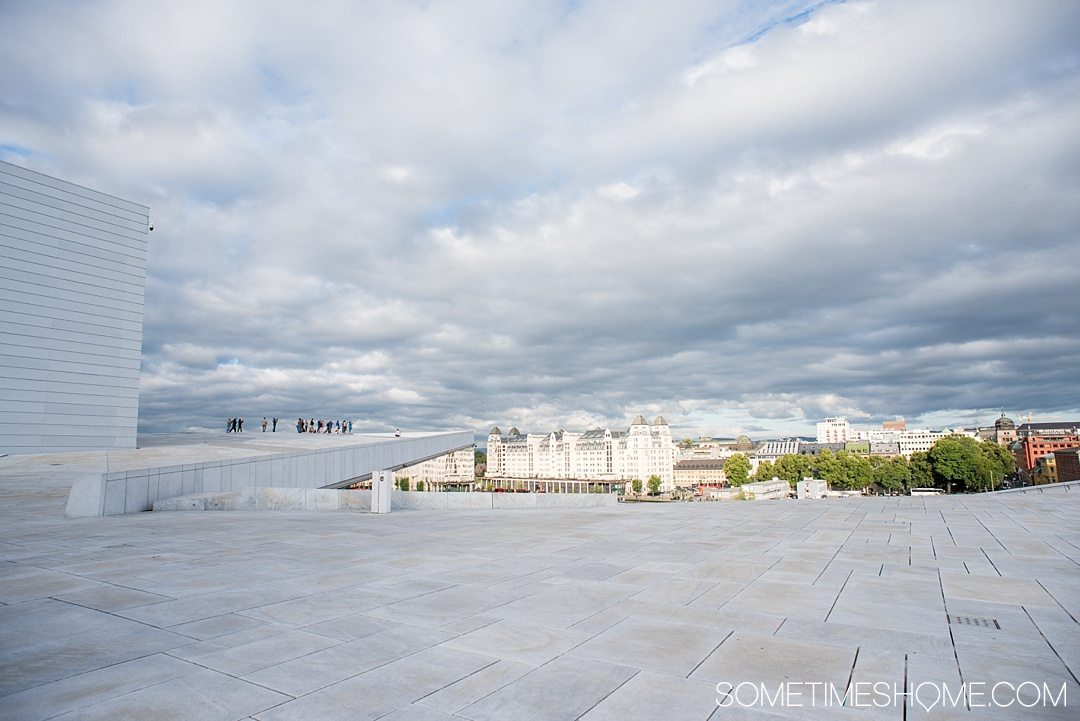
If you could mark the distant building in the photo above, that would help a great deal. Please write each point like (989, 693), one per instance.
(771, 450)
(883, 448)
(758, 490)
(706, 447)
(71, 313)
(916, 441)
(833, 430)
(743, 444)
(1045, 469)
(1068, 464)
(897, 424)
(811, 488)
(1004, 431)
(1049, 430)
(813, 449)
(1029, 448)
(641, 451)
(700, 472)
(874, 435)
(453, 470)
(860, 447)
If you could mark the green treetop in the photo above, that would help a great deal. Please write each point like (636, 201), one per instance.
(737, 469)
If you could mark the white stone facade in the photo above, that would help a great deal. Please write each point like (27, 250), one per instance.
(72, 275)
(642, 451)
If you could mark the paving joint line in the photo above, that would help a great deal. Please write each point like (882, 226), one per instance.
(837, 599)
(952, 638)
(1044, 638)
(992, 564)
(851, 673)
(1067, 611)
(608, 694)
(710, 653)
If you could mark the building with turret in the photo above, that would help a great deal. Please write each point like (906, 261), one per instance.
(644, 449)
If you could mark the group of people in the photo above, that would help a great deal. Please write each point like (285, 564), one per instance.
(321, 426)
(236, 425)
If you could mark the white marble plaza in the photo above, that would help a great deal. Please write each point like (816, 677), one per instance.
(631, 612)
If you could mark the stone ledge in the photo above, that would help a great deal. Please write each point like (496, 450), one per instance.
(200, 502)
(325, 499)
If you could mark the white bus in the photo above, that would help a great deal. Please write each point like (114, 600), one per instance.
(926, 491)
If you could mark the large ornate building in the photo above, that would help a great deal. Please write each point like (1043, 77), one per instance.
(637, 453)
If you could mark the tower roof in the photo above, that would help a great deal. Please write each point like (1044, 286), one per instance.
(659, 421)
(495, 431)
(639, 421)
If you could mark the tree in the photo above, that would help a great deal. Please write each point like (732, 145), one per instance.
(479, 463)
(968, 465)
(892, 474)
(999, 459)
(765, 471)
(419, 485)
(636, 485)
(737, 469)
(792, 468)
(654, 485)
(922, 472)
(826, 466)
(843, 470)
(858, 472)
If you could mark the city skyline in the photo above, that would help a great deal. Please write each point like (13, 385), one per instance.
(435, 215)
(810, 433)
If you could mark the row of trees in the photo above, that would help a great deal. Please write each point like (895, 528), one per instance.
(654, 485)
(954, 463)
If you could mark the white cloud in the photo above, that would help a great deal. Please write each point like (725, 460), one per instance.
(561, 216)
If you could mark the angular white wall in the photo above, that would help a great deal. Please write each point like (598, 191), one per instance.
(134, 491)
(72, 278)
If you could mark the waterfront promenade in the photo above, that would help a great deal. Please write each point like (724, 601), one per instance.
(632, 612)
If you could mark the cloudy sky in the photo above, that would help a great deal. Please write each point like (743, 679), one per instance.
(743, 215)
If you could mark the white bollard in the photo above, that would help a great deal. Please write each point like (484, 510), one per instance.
(381, 483)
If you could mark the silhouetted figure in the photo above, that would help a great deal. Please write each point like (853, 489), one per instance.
(274, 429)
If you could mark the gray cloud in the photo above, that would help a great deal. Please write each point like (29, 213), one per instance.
(458, 214)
